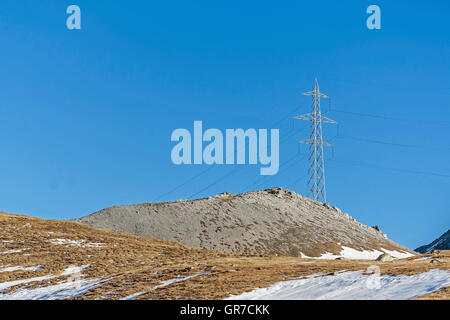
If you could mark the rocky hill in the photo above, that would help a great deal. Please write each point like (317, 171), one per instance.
(273, 221)
(441, 243)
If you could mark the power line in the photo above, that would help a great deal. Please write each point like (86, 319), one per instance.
(298, 180)
(393, 143)
(215, 182)
(287, 137)
(388, 84)
(231, 173)
(227, 175)
(392, 169)
(377, 116)
(286, 170)
(291, 134)
(281, 166)
(256, 183)
(183, 184)
(209, 167)
(289, 184)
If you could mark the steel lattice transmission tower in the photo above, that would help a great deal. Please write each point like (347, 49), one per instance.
(316, 170)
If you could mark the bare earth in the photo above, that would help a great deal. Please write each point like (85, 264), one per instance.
(131, 264)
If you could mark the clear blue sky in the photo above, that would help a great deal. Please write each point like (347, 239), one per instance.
(86, 115)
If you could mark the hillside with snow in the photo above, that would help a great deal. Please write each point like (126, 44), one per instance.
(272, 221)
(50, 259)
(441, 243)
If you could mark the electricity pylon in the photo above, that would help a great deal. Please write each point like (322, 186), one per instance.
(316, 170)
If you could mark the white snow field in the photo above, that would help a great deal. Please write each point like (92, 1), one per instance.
(352, 285)
(63, 290)
(352, 254)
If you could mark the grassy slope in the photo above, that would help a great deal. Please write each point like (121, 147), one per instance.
(134, 264)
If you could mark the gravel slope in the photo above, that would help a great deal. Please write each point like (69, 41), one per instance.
(273, 221)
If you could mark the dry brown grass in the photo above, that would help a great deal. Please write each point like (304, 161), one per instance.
(134, 264)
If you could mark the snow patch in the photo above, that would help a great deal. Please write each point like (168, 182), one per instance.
(352, 285)
(78, 243)
(14, 251)
(424, 258)
(398, 254)
(68, 271)
(352, 254)
(11, 269)
(64, 290)
(134, 296)
(74, 270)
(180, 278)
(6, 285)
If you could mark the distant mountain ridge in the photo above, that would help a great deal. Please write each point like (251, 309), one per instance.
(271, 221)
(441, 243)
